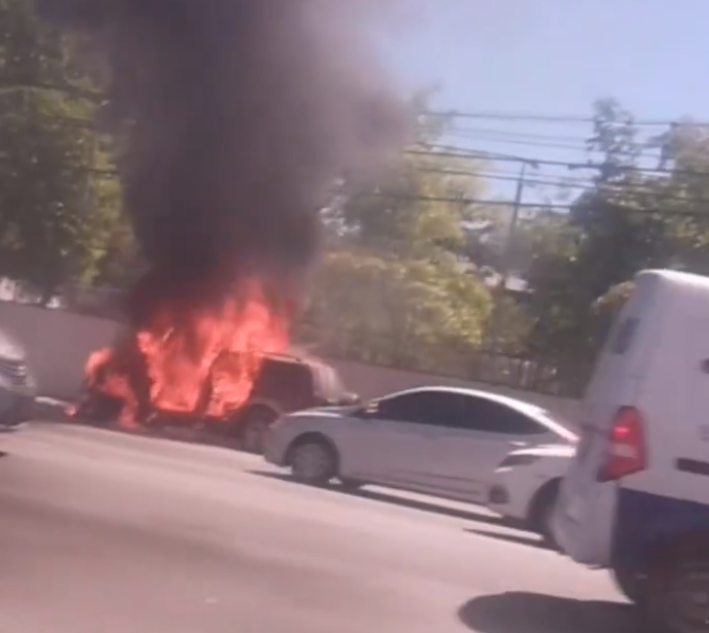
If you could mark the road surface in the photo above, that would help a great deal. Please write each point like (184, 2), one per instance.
(109, 533)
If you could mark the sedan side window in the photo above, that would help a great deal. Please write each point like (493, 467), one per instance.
(516, 423)
(404, 408)
(481, 415)
(423, 407)
(493, 417)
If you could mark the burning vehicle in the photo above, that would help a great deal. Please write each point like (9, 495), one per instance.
(284, 383)
(218, 367)
(232, 122)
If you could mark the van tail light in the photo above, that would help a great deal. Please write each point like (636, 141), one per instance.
(626, 452)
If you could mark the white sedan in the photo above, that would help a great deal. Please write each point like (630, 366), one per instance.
(525, 486)
(442, 441)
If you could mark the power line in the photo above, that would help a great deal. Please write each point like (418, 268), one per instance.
(538, 206)
(486, 175)
(526, 135)
(578, 185)
(465, 154)
(513, 138)
(554, 118)
(462, 200)
(523, 142)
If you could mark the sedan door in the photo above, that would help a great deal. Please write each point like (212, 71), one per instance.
(442, 457)
(472, 450)
(425, 464)
(389, 441)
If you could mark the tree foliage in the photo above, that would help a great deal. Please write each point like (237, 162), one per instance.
(411, 313)
(57, 209)
(633, 217)
(403, 278)
(395, 285)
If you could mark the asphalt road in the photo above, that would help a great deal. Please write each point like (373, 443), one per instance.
(102, 532)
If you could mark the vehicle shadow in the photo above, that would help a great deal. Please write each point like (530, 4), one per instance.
(528, 541)
(393, 499)
(180, 435)
(519, 612)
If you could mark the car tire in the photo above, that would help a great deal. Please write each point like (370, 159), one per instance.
(676, 596)
(543, 510)
(313, 461)
(630, 584)
(254, 424)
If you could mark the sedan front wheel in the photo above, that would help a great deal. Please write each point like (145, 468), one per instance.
(313, 462)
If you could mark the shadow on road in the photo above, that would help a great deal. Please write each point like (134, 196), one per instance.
(180, 435)
(383, 497)
(529, 541)
(518, 612)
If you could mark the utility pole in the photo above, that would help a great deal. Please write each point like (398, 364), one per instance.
(511, 231)
(507, 251)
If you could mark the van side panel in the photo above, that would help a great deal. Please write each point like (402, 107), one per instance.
(584, 525)
(674, 402)
(670, 498)
(625, 358)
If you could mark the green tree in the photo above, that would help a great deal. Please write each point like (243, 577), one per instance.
(421, 207)
(54, 220)
(395, 286)
(628, 220)
(410, 313)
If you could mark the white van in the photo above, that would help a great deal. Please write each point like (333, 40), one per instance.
(635, 498)
(18, 388)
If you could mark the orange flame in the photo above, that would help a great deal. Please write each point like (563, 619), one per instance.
(202, 360)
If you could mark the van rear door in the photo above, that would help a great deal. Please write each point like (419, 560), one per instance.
(584, 520)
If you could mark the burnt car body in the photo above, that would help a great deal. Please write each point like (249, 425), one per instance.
(285, 383)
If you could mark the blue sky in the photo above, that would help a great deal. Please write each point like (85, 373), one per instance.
(557, 57)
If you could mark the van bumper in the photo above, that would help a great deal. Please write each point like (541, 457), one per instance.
(569, 537)
(647, 520)
(583, 527)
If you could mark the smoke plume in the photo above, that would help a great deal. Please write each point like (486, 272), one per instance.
(233, 118)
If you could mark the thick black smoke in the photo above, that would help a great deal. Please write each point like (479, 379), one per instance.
(234, 117)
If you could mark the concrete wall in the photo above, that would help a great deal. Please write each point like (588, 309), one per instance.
(371, 381)
(59, 342)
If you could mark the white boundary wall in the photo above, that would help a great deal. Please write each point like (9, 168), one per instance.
(59, 342)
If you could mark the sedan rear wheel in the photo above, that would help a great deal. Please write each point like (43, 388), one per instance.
(313, 462)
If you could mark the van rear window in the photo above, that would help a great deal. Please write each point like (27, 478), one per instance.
(624, 335)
